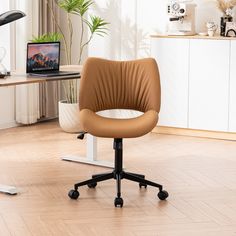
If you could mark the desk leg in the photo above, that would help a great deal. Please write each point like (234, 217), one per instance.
(91, 156)
(8, 189)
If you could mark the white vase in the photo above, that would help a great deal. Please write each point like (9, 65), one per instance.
(211, 33)
(69, 117)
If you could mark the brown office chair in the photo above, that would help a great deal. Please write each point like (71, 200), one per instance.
(119, 85)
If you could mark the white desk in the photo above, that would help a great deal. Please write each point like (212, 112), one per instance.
(91, 155)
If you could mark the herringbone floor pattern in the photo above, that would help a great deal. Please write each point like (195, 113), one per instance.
(199, 174)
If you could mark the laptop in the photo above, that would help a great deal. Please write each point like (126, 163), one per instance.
(43, 60)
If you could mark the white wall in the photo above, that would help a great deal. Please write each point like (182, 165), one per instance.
(133, 21)
(7, 111)
(5, 30)
(15, 42)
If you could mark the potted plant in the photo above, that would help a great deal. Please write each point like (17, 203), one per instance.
(68, 109)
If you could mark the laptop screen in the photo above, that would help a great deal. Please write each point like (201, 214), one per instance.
(43, 57)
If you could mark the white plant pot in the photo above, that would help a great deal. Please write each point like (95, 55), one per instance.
(69, 116)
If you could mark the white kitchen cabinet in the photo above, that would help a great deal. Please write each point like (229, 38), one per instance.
(232, 97)
(209, 73)
(198, 79)
(172, 56)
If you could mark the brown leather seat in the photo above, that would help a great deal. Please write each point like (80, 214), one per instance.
(119, 85)
(115, 128)
(107, 85)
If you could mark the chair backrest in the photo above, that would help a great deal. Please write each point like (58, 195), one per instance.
(109, 84)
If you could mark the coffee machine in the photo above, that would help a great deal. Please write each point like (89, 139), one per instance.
(181, 18)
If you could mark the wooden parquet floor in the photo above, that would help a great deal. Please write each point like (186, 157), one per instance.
(199, 174)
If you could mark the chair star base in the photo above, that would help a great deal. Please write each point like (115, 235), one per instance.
(118, 174)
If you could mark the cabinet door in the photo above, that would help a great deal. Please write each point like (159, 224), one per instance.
(172, 56)
(232, 102)
(209, 84)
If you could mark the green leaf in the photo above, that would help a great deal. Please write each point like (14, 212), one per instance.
(82, 7)
(78, 7)
(50, 37)
(97, 25)
(68, 5)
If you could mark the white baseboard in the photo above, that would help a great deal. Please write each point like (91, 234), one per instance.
(12, 124)
(195, 133)
(8, 125)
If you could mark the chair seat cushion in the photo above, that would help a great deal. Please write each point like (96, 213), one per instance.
(117, 128)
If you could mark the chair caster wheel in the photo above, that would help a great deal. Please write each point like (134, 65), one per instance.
(81, 135)
(162, 195)
(92, 185)
(73, 194)
(142, 185)
(118, 202)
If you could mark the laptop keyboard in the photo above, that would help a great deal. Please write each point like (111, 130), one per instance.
(54, 73)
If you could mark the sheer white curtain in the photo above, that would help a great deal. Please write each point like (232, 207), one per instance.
(27, 96)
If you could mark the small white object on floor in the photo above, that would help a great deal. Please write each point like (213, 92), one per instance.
(8, 189)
